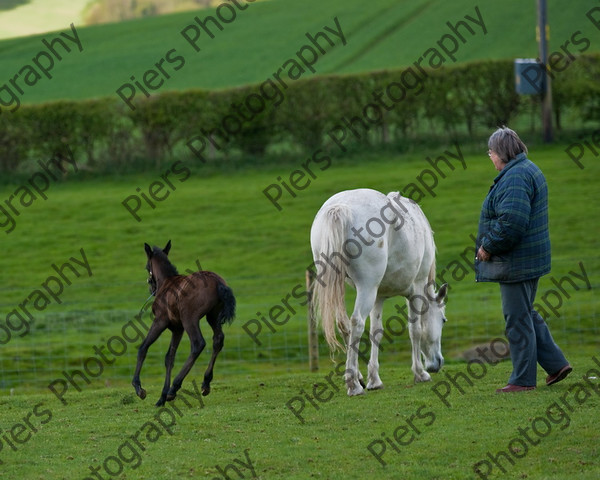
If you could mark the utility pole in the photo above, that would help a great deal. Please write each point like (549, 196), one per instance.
(543, 32)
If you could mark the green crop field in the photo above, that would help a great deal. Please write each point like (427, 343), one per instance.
(262, 36)
(33, 16)
(72, 276)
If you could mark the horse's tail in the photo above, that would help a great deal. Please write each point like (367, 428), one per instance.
(327, 238)
(227, 313)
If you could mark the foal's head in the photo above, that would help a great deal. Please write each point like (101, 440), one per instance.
(158, 266)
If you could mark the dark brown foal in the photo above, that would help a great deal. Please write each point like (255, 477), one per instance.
(181, 301)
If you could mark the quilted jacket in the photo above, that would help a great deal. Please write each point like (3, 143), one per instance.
(513, 225)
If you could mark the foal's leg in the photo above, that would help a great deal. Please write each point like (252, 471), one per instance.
(218, 340)
(157, 327)
(415, 331)
(376, 333)
(197, 344)
(169, 361)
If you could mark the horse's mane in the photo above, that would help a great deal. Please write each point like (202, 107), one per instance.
(168, 268)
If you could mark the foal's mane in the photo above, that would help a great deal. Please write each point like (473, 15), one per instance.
(168, 268)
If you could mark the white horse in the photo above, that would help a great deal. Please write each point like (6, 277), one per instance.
(383, 246)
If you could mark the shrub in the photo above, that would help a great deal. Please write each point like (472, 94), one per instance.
(449, 100)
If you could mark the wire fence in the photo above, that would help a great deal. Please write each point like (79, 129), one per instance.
(87, 347)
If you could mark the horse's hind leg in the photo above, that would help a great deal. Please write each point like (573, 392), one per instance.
(169, 361)
(197, 344)
(376, 334)
(218, 341)
(365, 298)
(156, 329)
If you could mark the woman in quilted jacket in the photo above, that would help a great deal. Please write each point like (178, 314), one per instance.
(513, 249)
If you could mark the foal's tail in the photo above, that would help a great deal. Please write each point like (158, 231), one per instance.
(227, 313)
(327, 238)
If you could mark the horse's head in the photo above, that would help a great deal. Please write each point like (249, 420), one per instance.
(433, 321)
(154, 265)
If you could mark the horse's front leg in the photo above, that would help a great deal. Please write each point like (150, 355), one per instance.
(156, 329)
(415, 332)
(169, 362)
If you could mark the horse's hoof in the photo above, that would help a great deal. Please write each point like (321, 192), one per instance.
(352, 392)
(160, 403)
(425, 377)
(141, 393)
(376, 386)
(171, 396)
(205, 391)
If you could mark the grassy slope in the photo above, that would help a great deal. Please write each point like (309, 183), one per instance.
(224, 221)
(386, 35)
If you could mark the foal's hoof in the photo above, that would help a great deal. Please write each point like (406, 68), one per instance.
(141, 393)
(160, 403)
(205, 391)
(171, 396)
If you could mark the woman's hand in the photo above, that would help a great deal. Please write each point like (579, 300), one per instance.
(482, 255)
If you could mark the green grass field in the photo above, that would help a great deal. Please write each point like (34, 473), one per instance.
(219, 216)
(223, 219)
(388, 34)
(248, 423)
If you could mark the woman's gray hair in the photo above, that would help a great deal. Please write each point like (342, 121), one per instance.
(505, 143)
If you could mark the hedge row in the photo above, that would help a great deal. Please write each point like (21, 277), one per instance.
(300, 116)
